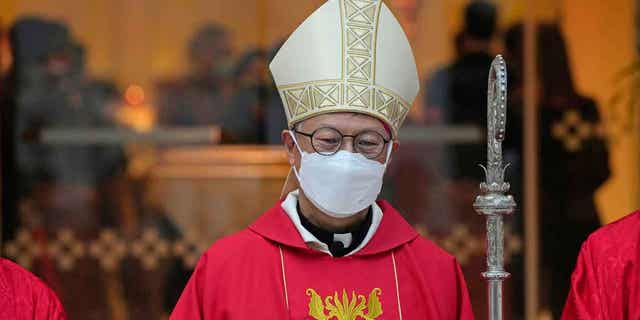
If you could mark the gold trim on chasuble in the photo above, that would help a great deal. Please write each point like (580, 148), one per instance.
(346, 308)
(356, 91)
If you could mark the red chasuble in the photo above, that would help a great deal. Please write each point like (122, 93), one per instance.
(606, 282)
(268, 272)
(25, 297)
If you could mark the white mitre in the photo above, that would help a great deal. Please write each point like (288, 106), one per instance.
(348, 56)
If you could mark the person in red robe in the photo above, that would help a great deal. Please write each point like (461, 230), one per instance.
(25, 297)
(329, 250)
(606, 281)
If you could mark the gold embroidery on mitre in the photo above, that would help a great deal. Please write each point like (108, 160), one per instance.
(346, 308)
(310, 99)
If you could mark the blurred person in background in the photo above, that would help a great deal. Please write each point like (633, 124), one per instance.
(58, 185)
(274, 117)
(203, 95)
(25, 73)
(243, 118)
(437, 99)
(467, 92)
(456, 95)
(574, 158)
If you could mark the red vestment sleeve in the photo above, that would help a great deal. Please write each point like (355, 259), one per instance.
(584, 301)
(47, 306)
(24, 296)
(189, 306)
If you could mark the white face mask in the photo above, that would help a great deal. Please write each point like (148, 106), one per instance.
(342, 184)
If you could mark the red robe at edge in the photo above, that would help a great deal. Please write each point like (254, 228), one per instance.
(606, 282)
(268, 272)
(25, 297)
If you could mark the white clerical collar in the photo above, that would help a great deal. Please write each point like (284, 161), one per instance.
(290, 205)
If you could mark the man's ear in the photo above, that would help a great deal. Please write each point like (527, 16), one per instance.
(289, 146)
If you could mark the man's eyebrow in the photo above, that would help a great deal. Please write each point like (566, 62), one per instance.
(382, 131)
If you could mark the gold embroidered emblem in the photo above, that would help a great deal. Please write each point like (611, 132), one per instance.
(346, 309)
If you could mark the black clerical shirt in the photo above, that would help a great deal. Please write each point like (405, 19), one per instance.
(335, 240)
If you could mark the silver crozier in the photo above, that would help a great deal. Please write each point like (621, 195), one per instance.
(494, 202)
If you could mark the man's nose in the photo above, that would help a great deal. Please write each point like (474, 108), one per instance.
(347, 144)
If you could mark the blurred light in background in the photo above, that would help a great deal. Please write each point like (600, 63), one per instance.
(134, 95)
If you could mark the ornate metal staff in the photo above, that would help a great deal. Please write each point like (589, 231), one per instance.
(493, 202)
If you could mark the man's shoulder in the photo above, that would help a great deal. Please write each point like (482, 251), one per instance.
(14, 276)
(236, 247)
(17, 282)
(615, 238)
(241, 240)
(618, 231)
(438, 269)
(426, 250)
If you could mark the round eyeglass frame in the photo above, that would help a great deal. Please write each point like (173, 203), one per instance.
(342, 136)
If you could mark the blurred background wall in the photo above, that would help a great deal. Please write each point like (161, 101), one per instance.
(135, 42)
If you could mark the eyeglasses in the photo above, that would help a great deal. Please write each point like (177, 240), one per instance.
(327, 141)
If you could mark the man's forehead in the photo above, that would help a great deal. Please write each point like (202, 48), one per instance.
(345, 120)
